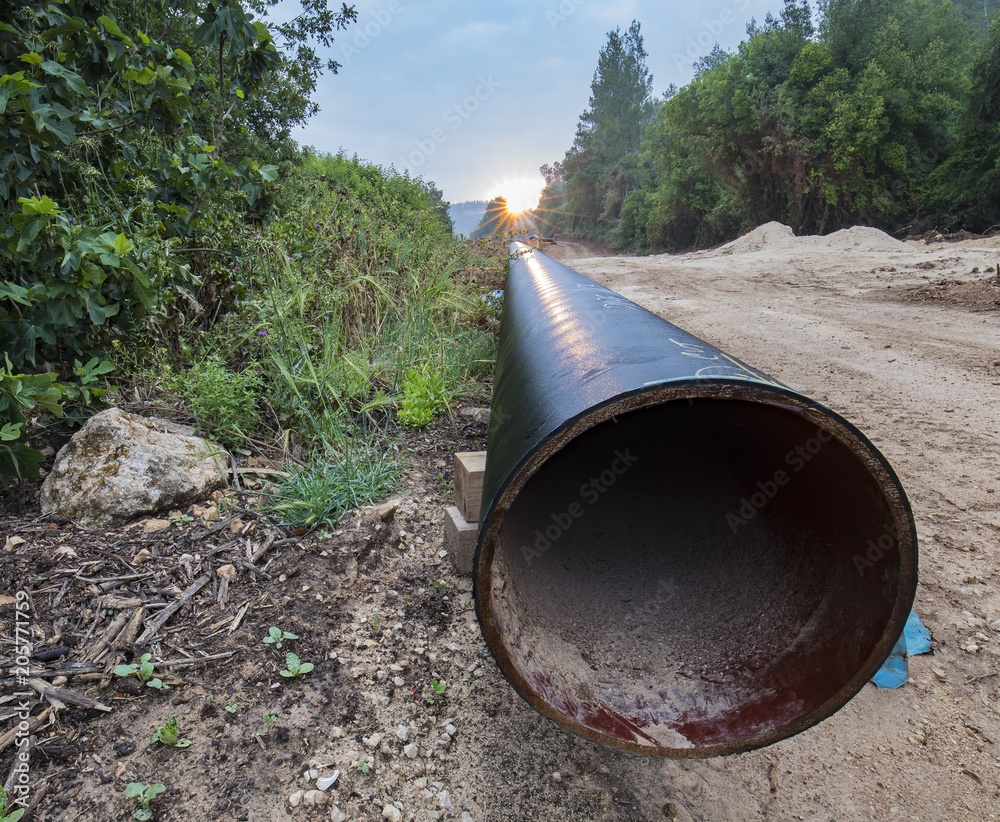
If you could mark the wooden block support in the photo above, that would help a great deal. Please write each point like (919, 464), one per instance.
(469, 469)
(460, 540)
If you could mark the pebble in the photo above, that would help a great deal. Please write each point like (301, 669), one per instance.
(450, 729)
(392, 813)
(295, 799)
(337, 815)
(556, 776)
(314, 799)
(466, 817)
(444, 799)
(399, 682)
(411, 750)
(324, 783)
(402, 733)
(420, 784)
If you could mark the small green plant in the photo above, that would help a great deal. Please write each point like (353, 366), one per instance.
(441, 586)
(424, 397)
(362, 766)
(233, 708)
(321, 493)
(294, 667)
(275, 636)
(214, 393)
(374, 622)
(13, 816)
(143, 669)
(269, 720)
(143, 794)
(438, 686)
(178, 518)
(169, 733)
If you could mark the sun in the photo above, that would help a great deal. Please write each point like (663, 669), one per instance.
(522, 193)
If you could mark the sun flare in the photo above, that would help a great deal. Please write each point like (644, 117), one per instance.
(522, 193)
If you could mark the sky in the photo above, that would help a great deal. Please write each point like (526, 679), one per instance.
(477, 96)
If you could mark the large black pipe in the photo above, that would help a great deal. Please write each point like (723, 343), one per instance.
(679, 555)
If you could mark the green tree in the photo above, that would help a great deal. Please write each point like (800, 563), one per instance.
(603, 167)
(966, 188)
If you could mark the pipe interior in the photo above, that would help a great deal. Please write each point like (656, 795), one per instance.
(694, 574)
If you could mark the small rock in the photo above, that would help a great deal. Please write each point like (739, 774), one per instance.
(444, 799)
(450, 729)
(295, 799)
(398, 681)
(337, 815)
(556, 776)
(314, 799)
(154, 526)
(466, 817)
(402, 733)
(324, 783)
(411, 750)
(392, 813)
(420, 784)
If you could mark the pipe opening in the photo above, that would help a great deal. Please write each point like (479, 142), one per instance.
(697, 577)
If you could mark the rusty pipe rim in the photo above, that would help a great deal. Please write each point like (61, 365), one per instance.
(491, 554)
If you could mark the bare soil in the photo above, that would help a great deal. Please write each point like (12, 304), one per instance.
(901, 338)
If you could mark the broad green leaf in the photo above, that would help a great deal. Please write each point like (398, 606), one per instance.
(34, 205)
(31, 57)
(269, 173)
(73, 80)
(122, 245)
(11, 431)
(112, 27)
(183, 55)
(144, 77)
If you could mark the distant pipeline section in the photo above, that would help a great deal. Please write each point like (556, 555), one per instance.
(679, 555)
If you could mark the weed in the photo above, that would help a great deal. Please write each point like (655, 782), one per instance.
(438, 686)
(362, 766)
(143, 794)
(374, 623)
(269, 720)
(143, 669)
(294, 667)
(424, 397)
(169, 734)
(275, 636)
(219, 396)
(13, 816)
(323, 492)
(233, 708)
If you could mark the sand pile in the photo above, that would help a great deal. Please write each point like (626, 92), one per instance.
(777, 237)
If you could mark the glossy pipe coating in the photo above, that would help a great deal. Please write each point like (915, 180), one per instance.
(679, 556)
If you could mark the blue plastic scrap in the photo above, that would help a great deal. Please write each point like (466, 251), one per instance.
(915, 639)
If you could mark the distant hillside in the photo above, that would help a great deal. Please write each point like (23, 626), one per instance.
(466, 216)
